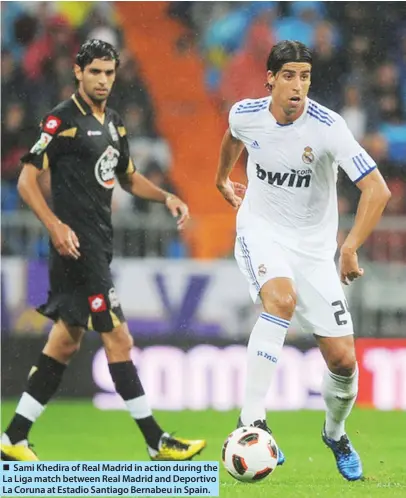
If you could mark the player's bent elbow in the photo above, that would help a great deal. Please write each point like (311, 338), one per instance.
(382, 195)
(22, 182)
(386, 194)
(27, 176)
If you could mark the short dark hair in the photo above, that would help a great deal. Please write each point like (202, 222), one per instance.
(96, 49)
(287, 51)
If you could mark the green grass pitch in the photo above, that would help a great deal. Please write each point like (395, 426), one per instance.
(77, 431)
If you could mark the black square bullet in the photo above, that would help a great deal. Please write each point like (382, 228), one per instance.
(6, 466)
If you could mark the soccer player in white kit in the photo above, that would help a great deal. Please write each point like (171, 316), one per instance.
(286, 235)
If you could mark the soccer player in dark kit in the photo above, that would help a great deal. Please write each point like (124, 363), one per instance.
(84, 145)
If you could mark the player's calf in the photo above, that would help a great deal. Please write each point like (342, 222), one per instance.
(43, 382)
(161, 446)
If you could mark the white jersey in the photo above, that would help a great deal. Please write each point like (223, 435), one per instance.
(292, 173)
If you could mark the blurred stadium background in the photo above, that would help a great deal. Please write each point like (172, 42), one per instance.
(183, 65)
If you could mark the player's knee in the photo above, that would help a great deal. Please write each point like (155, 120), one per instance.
(63, 342)
(129, 342)
(62, 350)
(70, 348)
(280, 304)
(343, 363)
(279, 297)
(118, 344)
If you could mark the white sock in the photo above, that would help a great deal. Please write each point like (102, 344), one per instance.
(152, 452)
(6, 441)
(264, 349)
(139, 407)
(29, 407)
(339, 394)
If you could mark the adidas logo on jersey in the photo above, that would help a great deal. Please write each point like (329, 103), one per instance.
(297, 178)
(255, 145)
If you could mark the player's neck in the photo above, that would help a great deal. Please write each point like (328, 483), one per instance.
(97, 108)
(281, 117)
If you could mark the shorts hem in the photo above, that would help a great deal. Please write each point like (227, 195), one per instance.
(325, 333)
(56, 315)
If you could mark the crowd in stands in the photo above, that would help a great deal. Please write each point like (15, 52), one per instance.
(359, 70)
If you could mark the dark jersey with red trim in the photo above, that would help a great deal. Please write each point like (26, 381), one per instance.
(83, 156)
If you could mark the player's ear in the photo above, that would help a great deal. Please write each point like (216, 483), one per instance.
(78, 72)
(270, 78)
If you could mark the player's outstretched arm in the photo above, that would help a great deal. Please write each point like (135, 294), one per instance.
(230, 151)
(375, 194)
(137, 184)
(63, 237)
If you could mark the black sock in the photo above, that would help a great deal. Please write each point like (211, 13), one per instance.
(18, 429)
(128, 386)
(42, 385)
(45, 380)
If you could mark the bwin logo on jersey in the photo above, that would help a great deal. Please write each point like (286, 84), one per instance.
(296, 179)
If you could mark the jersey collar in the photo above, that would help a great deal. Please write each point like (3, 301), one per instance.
(294, 123)
(81, 104)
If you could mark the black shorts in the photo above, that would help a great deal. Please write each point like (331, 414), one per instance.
(82, 291)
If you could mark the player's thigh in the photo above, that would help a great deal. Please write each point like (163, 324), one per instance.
(260, 260)
(82, 291)
(63, 332)
(84, 294)
(321, 306)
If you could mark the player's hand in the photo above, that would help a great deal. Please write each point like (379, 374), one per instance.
(349, 269)
(65, 240)
(232, 192)
(178, 208)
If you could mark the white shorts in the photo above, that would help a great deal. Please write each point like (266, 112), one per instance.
(321, 307)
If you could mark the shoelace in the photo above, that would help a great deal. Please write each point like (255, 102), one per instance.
(31, 447)
(343, 446)
(171, 442)
(261, 424)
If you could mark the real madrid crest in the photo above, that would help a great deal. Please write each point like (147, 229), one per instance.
(262, 270)
(308, 156)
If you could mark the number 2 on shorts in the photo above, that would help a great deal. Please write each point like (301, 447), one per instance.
(342, 310)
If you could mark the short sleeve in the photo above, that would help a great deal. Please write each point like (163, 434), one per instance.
(233, 122)
(125, 164)
(45, 148)
(348, 153)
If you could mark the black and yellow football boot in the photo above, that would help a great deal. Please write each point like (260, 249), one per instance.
(20, 452)
(173, 448)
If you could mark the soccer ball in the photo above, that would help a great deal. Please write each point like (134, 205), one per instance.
(250, 454)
